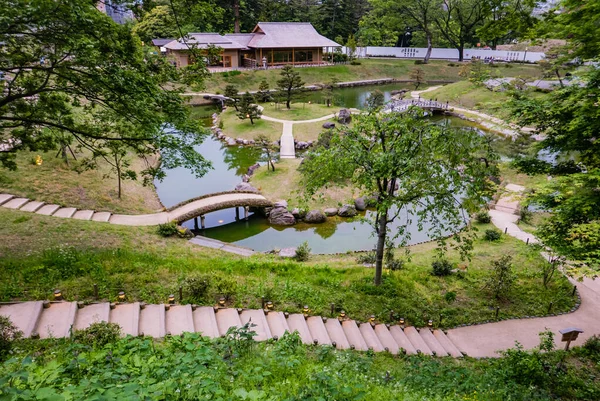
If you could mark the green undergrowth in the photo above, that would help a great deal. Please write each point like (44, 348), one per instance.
(191, 367)
(40, 254)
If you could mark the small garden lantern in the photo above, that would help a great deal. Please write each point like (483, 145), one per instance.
(58, 295)
(222, 302)
(121, 296)
(171, 299)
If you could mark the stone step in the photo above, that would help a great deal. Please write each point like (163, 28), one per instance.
(432, 342)
(447, 344)
(5, 198)
(101, 216)
(297, 322)
(402, 340)
(32, 206)
(386, 339)
(205, 321)
(48, 210)
(128, 317)
(15, 203)
(226, 318)
(318, 330)
(277, 324)
(65, 212)
(83, 214)
(370, 337)
(152, 321)
(354, 336)
(93, 313)
(179, 319)
(23, 315)
(257, 317)
(56, 320)
(415, 339)
(336, 334)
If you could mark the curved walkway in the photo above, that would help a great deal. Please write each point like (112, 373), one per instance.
(180, 213)
(486, 340)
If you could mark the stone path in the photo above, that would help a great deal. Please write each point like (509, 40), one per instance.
(224, 246)
(179, 214)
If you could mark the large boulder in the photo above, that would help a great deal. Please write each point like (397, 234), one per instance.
(253, 168)
(281, 217)
(329, 125)
(244, 186)
(280, 203)
(344, 116)
(298, 213)
(315, 217)
(287, 252)
(360, 204)
(330, 211)
(230, 141)
(347, 211)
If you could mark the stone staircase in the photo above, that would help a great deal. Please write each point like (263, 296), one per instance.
(44, 319)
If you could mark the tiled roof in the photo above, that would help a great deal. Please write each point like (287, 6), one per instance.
(288, 34)
(202, 40)
(161, 42)
(241, 38)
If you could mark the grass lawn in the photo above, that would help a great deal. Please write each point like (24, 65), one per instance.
(236, 128)
(39, 254)
(512, 176)
(310, 131)
(298, 111)
(55, 182)
(368, 69)
(285, 181)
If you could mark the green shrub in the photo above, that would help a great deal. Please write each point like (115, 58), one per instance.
(591, 348)
(366, 258)
(450, 296)
(452, 65)
(525, 215)
(302, 252)
(355, 62)
(196, 287)
(98, 334)
(419, 62)
(492, 235)
(167, 229)
(8, 334)
(441, 267)
(508, 65)
(483, 217)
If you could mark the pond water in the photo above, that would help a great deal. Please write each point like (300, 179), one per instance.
(230, 163)
(356, 97)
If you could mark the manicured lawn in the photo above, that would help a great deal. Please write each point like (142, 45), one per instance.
(311, 131)
(39, 254)
(512, 176)
(236, 128)
(368, 69)
(55, 182)
(298, 111)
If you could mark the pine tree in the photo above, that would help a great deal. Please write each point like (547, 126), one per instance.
(290, 83)
(247, 108)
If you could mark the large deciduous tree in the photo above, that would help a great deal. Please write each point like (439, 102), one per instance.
(422, 14)
(70, 73)
(157, 23)
(409, 165)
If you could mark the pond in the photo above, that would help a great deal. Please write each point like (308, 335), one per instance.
(337, 235)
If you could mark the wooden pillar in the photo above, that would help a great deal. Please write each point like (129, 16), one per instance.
(246, 213)
(202, 223)
(272, 57)
(293, 56)
(195, 223)
(237, 213)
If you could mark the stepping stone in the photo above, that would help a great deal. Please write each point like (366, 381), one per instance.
(152, 321)
(354, 335)
(5, 198)
(336, 334)
(432, 342)
(297, 322)
(318, 330)
(23, 315)
(15, 203)
(205, 321)
(386, 339)
(56, 320)
(101, 216)
(65, 212)
(257, 317)
(32, 206)
(93, 313)
(83, 214)
(179, 320)
(415, 339)
(47, 210)
(447, 344)
(227, 318)
(402, 340)
(370, 337)
(277, 324)
(128, 317)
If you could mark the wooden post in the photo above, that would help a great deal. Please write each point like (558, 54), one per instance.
(246, 213)
(202, 222)
(293, 56)
(180, 294)
(96, 291)
(272, 57)
(196, 223)
(237, 213)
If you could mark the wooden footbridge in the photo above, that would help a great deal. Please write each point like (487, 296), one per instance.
(401, 105)
(44, 319)
(196, 207)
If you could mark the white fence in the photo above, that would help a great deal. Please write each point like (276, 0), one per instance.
(446, 54)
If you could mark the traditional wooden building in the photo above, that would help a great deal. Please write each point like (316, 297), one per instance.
(269, 44)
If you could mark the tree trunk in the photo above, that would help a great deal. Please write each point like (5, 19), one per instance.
(119, 183)
(429, 47)
(63, 150)
(289, 98)
(381, 233)
(236, 13)
(562, 85)
(461, 52)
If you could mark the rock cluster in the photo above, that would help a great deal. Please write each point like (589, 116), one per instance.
(344, 116)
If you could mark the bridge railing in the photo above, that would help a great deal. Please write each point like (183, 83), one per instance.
(169, 209)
